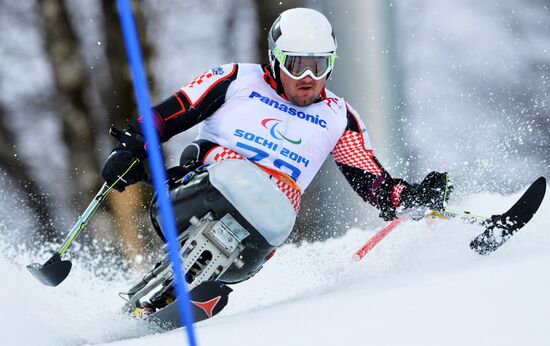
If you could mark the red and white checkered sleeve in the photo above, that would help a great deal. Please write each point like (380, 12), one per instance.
(350, 150)
(354, 148)
(354, 154)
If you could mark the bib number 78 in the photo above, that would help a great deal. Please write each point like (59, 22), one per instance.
(260, 154)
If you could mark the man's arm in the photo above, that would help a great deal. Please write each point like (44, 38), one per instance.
(193, 103)
(355, 158)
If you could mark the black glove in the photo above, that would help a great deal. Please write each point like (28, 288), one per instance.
(131, 147)
(385, 204)
(432, 192)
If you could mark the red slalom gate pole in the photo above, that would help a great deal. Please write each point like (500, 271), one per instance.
(376, 239)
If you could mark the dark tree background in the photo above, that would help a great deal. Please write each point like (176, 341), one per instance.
(65, 80)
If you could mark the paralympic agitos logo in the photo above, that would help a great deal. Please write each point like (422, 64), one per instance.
(272, 124)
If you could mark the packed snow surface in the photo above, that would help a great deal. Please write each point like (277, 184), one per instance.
(421, 285)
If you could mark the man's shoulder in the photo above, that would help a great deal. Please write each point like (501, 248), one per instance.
(212, 76)
(250, 67)
(226, 70)
(330, 95)
(337, 103)
(352, 115)
(248, 71)
(206, 82)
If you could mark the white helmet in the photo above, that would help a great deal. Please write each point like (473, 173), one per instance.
(302, 41)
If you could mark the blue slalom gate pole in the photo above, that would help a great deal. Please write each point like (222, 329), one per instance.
(156, 161)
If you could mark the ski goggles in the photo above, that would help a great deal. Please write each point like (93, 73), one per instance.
(298, 65)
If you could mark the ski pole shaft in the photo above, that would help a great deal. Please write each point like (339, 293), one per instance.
(92, 207)
(55, 270)
(381, 234)
(464, 216)
(90, 210)
(446, 214)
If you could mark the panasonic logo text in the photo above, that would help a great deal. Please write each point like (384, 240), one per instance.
(314, 119)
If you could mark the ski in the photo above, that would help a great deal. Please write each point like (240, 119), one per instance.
(207, 300)
(499, 228)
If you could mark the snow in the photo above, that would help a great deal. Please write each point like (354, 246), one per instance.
(421, 285)
(471, 71)
(475, 87)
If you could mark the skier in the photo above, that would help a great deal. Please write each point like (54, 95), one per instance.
(281, 117)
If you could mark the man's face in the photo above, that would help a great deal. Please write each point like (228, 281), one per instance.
(302, 92)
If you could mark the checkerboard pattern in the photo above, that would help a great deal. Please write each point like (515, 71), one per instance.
(199, 79)
(351, 151)
(293, 195)
(395, 194)
(221, 153)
